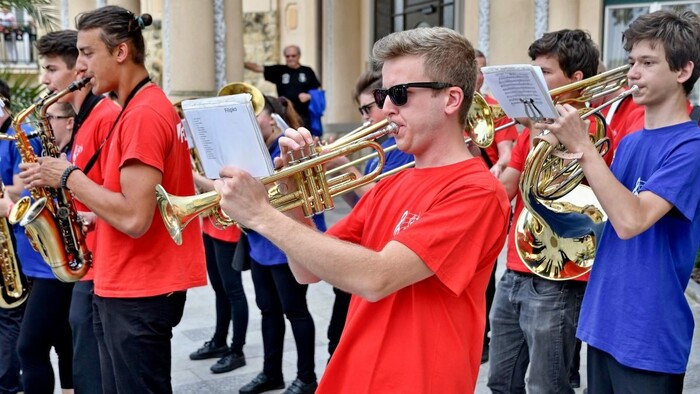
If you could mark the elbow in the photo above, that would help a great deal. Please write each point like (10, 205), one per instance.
(627, 230)
(375, 290)
(137, 228)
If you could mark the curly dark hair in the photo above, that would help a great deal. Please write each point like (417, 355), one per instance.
(574, 49)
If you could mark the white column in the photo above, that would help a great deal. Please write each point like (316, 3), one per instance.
(484, 26)
(541, 17)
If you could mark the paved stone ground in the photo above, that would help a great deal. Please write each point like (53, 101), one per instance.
(198, 321)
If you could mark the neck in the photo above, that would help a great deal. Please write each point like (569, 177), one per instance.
(131, 76)
(447, 147)
(673, 110)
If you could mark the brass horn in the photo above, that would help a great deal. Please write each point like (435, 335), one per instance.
(314, 192)
(557, 232)
(257, 99)
(481, 119)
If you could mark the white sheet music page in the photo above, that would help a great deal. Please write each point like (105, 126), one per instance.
(521, 91)
(226, 133)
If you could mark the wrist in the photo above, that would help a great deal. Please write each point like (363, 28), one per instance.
(66, 173)
(9, 209)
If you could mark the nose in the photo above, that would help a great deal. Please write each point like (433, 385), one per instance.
(389, 108)
(45, 78)
(633, 72)
(81, 64)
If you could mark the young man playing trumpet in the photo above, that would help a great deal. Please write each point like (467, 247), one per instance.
(635, 317)
(416, 261)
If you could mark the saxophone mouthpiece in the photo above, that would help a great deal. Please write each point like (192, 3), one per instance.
(79, 84)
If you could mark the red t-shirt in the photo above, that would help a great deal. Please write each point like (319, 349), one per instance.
(230, 234)
(153, 264)
(87, 140)
(426, 337)
(507, 134)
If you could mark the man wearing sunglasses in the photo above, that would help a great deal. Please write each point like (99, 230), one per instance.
(417, 250)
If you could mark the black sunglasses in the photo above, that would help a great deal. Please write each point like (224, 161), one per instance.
(399, 93)
(364, 109)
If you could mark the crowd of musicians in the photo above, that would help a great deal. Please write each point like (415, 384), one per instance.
(418, 308)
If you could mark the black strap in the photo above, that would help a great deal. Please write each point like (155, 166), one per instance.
(89, 103)
(486, 157)
(695, 114)
(6, 125)
(131, 95)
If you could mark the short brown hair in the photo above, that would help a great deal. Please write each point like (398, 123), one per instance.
(574, 49)
(366, 83)
(678, 33)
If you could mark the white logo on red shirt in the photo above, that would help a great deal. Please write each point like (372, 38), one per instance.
(406, 220)
(181, 132)
(77, 150)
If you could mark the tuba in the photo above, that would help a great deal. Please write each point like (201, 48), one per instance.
(557, 232)
(51, 222)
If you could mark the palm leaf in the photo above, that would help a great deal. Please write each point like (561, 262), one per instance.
(43, 12)
(24, 89)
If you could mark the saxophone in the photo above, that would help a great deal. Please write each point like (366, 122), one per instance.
(51, 222)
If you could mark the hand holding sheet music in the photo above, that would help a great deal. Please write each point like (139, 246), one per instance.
(521, 91)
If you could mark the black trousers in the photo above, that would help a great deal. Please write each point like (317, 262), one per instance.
(87, 377)
(278, 294)
(134, 335)
(607, 376)
(10, 322)
(231, 302)
(45, 325)
(338, 317)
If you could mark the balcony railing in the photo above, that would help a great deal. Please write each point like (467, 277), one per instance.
(17, 45)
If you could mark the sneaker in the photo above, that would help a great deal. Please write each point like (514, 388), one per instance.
(262, 383)
(299, 387)
(228, 363)
(209, 350)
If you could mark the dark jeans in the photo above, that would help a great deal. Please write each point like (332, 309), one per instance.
(338, 316)
(87, 377)
(278, 294)
(10, 321)
(607, 376)
(134, 338)
(230, 301)
(533, 325)
(45, 325)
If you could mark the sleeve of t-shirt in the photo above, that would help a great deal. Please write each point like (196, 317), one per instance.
(677, 179)
(314, 83)
(520, 151)
(150, 138)
(508, 134)
(453, 243)
(272, 73)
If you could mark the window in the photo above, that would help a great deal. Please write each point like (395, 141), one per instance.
(399, 15)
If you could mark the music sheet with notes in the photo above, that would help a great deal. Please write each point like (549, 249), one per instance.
(521, 91)
(226, 133)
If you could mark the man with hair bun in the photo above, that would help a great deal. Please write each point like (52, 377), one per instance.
(142, 277)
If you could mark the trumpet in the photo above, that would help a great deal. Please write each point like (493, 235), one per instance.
(314, 192)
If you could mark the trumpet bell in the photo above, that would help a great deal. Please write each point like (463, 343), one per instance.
(559, 241)
(177, 211)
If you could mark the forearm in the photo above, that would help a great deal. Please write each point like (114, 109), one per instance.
(253, 67)
(114, 208)
(350, 267)
(623, 208)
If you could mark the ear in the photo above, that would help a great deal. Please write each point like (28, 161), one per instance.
(577, 75)
(685, 72)
(454, 100)
(122, 51)
(70, 123)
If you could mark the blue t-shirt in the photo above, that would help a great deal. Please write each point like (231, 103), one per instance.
(9, 155)
(634, 307)
(33, 264)
(261, 249)
(394, 159)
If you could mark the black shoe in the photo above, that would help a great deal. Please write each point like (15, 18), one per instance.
(575, 381)
(299, 387)
(228, 363)
(485, 354)
(209, 350)
(262, 383)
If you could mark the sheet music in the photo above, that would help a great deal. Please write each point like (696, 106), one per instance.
(521, 91)
(226, 133)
